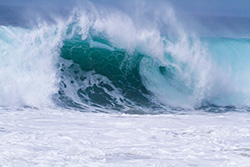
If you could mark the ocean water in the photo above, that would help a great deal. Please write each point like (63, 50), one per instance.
(99, 85)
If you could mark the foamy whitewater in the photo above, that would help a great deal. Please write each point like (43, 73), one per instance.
(135, 84)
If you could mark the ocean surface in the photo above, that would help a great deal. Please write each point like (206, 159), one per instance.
(99, 85)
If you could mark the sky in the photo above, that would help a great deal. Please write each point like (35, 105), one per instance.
(192, 7)
(214, 7)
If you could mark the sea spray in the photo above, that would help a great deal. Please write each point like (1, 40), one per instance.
(28, 76)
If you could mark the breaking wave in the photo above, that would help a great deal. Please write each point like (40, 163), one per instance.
(106, 60)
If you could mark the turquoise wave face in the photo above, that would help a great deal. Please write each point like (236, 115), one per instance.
(119, 71)
(232, 59)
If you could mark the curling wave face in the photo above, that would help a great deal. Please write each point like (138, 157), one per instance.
(105, 60)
